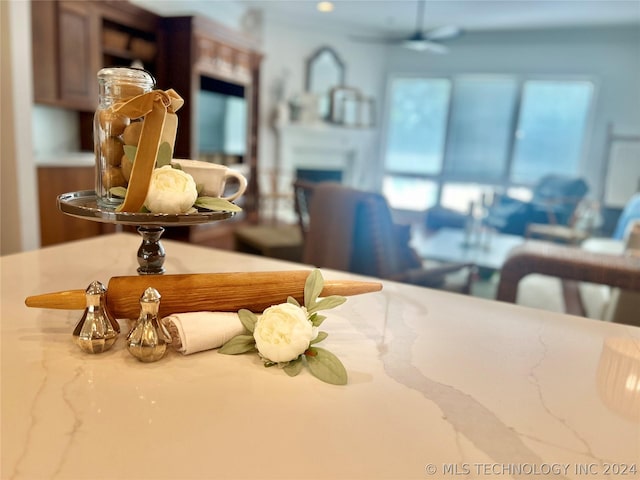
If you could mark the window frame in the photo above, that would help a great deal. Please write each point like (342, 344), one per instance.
(504, 182)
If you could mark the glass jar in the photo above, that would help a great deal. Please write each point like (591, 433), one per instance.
(112, 131)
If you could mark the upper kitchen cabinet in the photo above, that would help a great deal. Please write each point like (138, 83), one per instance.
(128, 36)
(65, 53)
(73, 40)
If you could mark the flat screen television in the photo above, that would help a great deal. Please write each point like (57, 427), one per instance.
(222, 119)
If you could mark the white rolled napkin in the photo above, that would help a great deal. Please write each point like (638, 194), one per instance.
(197, 331)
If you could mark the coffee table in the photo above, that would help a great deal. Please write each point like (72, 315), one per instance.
(448, 245)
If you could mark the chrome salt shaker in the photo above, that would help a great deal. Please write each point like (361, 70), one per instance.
(148, 339)
(97, 330)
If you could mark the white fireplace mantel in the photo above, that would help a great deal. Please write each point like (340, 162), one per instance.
(321, 146)
(324, 146)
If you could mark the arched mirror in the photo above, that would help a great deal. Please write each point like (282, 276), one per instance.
(325, 71)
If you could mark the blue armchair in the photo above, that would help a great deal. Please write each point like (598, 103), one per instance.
(630, 213)
(554, 201)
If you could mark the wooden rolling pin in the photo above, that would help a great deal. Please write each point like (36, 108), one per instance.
(221, 292)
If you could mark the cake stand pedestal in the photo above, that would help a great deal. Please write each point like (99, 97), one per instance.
(150, 226)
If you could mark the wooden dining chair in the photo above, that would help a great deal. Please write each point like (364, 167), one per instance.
(302, 193)
(573, 264)
(353, 230)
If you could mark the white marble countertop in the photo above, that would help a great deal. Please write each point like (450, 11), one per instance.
(438, 384)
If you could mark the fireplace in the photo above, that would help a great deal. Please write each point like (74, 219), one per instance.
(315, 175)
(323, 151)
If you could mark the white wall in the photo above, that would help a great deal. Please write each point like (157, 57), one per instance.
(19, 216)
(609, 56)
(287, 47)
(55, 131)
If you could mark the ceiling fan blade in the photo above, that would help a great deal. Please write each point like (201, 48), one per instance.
(425, 46)
(443, 33)
(382, 40)
(419, 41)
(416, 43)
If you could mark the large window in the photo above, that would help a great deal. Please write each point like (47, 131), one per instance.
(550, 129)
(450, 140)
(417, 126)
(482, 113)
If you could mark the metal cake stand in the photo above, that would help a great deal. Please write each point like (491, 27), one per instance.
(150, 226)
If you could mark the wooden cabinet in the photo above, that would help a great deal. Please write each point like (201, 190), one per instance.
(219, 60)
(44, 52)
(64, 54)
(56, 227)
(128, 35)
(198, 53)
(77, 58)
(73, 40)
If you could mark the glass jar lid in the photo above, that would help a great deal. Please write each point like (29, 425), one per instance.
(123, 82)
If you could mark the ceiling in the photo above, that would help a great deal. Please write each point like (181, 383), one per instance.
(400, 15)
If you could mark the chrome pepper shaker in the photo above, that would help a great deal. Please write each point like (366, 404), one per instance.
(97, 330)
(148, 339)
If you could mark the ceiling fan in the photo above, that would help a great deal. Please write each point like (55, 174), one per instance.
(421, 40)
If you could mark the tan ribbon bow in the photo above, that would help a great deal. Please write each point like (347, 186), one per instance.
(160, 125)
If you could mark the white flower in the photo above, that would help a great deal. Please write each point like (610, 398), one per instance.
(170, 191)
(283, 332)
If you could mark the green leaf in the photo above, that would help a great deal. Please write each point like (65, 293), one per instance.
(326, 303)
(294, 367)
(238, 344)
(248, 319)
(312, 288)
(326, 366)
(216, 204)
(316, 319)
(321, 336)
(164, 155)
(293, 301)
(177, 166)
(130, 152)
(118, 191)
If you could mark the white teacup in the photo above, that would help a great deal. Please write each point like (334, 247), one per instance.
(212, 177)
